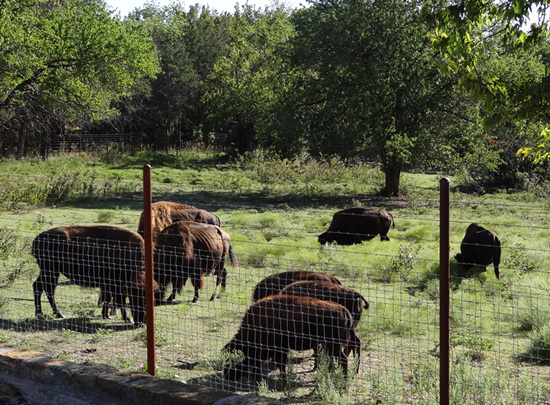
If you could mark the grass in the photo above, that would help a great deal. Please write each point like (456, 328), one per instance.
(273, 212)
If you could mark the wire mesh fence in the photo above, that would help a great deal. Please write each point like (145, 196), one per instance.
(500, 327)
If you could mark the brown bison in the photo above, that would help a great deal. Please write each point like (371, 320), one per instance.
(275, 283)
(165, 213)
(480, 247)
(354, 225)
(346, 296)
(188, 249)
(107, 257)
(277, 324)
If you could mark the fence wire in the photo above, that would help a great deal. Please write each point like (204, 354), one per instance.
(500, 328)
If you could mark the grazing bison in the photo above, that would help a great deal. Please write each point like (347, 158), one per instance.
(277, 324)
(107, 257)
(480, 247)
(188, 249)
(348, 297)
(275, 283)
(354, 225)
(165, 213)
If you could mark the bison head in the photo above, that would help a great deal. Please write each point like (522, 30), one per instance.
(325, 237)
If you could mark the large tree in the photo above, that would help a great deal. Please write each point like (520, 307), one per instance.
(248, 79)
(370, 86)
(189, 43)
(469, 30)
(63, 62)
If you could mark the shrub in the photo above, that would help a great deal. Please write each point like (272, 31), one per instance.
(540, 343)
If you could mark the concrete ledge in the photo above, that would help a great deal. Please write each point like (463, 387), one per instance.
(30, 377)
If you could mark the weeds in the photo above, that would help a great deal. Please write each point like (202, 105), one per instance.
(402, 265)
(517, 259)
(331, 382)
(7, 243)
(539, 347)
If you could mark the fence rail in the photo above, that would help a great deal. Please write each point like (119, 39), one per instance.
(497, 345)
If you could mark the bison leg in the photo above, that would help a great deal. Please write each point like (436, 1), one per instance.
(177, 287)
(105, 298)
(281, 359)
(197, 282)
(335, 351)
(221, 278)
(50, 293)
(120, 302)
(172, 295)
(354, 346)
(48, 285)
(137, 305)
(317, 349)
(37, 288)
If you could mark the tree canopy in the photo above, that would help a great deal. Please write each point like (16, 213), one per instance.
(370, 86)
(468, 32)
(64, 62)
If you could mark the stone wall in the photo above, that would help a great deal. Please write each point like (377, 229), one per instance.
(30, 377)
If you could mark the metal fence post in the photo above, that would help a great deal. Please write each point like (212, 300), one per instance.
(148, 257)
(444, 275)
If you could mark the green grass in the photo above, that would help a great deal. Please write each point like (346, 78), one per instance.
(273, 212)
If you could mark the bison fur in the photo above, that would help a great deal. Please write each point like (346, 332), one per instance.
(107, 257)
(277, 324)
(346, 296)
(165, 213)
(190, 250)
(479, 247)
(354, 225)
(275, 283)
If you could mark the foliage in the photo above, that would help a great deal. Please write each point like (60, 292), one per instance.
(371, 88)
(501, 52)
(402, 265)
(188, 43)
(64, 62)
(540, 345)
(330, 380)
(249, 80)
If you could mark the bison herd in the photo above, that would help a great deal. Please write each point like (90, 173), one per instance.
(294, 310)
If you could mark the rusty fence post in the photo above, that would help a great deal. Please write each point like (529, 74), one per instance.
(444, 276)
(148, 257)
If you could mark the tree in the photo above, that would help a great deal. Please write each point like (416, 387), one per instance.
(248, 79)
(515, 29)
(371, 88)
(67, 61)
(189, 43)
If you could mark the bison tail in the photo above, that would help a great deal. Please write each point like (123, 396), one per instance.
(232, 257)
(392, 221)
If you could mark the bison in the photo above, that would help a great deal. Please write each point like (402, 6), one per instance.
(188, 249)
(323, 290)
(354, 225)
(348, 297)
(107, 257)
(165, 213)
(275, 283)
(480, 247)
(277, 324)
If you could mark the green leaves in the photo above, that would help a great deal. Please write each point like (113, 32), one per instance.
(540, 153)
(68, 59)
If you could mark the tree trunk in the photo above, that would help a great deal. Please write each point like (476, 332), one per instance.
(21, 140)
(393, 175)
